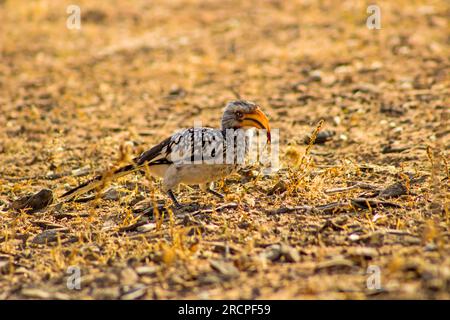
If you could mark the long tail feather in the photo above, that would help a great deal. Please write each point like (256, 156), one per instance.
(97, 182)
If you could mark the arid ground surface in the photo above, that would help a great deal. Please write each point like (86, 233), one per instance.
(372, 200)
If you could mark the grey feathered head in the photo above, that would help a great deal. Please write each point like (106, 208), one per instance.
(242, 114)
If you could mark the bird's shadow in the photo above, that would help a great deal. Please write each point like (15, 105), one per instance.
(163, 208)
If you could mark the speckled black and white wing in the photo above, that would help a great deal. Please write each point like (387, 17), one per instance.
(189, 146)
(158, 154)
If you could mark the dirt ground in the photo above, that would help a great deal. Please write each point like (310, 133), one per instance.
(364, 215)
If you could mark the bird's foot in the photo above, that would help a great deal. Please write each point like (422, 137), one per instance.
(174, 199)
(188, 207)
(162, 208)
(215, 193)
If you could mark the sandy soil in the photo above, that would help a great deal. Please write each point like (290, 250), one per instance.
(75, 103)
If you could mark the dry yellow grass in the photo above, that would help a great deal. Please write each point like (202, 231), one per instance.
(82, 101)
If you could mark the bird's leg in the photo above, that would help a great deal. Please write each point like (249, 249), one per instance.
(217, 194)
(183, 207)
(213, 192)
(174, 199)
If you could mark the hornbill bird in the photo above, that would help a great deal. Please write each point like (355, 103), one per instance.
(197, 155)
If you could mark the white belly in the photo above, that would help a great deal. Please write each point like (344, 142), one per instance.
(195, 174)
(158, 170)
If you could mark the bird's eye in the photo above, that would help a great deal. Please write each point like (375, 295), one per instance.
(239, 114)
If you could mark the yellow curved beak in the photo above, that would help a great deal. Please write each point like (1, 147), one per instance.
(257, 119)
